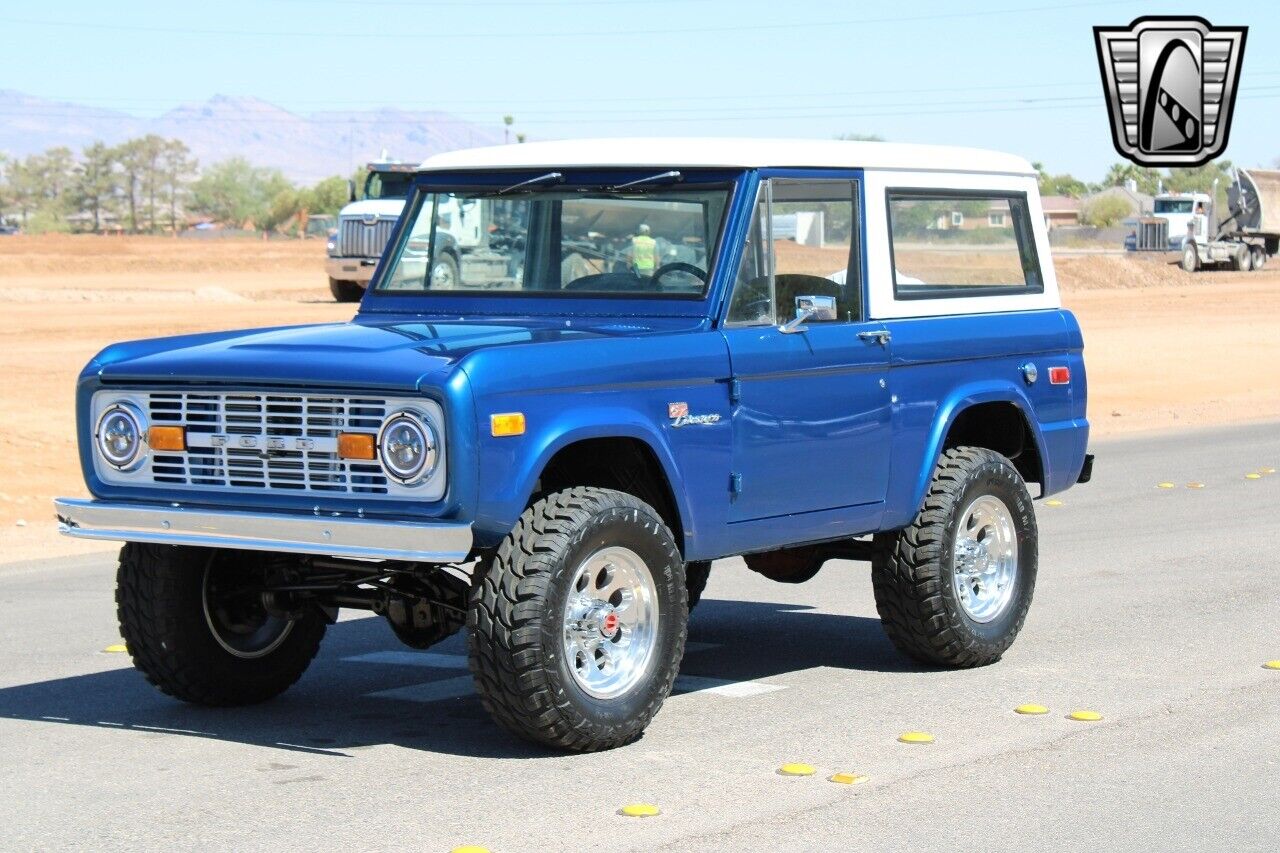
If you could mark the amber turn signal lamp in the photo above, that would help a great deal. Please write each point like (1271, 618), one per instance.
(509, 423)
(357, 445)
(167, 438)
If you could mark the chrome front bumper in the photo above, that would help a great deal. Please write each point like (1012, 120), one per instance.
(324, 535)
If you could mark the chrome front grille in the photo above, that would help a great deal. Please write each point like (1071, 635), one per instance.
(358, 240)
(286, 442)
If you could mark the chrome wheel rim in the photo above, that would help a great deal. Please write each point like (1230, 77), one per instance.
(610, 629)
(237, 617)
(984, 559)
(442, 276)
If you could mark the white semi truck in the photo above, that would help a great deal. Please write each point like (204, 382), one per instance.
(365, 226)
(1243, 239)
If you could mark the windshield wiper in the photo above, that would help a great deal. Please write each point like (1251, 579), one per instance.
(672, 177)
(548, 178)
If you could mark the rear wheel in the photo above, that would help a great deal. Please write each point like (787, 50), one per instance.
(345, 291)
(1243, 261)
(1190, 258)
(200, 627)
(953, 588)
(578, 621)
(1259, 257)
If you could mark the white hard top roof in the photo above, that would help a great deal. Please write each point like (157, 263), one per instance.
(729, 153)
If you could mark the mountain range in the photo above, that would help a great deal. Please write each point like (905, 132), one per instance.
(306, 147)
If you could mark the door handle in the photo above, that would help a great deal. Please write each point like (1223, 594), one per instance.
(880, 336)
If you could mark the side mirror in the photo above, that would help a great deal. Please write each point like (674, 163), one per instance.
(351, 190)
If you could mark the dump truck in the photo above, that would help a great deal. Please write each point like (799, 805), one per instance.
(1246, 236)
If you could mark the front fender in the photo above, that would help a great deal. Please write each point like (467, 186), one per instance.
(510, 467)
(909, 487)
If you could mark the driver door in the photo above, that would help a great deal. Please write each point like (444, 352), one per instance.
(811, 421)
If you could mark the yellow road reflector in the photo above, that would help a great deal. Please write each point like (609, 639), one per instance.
(915, 737)
(1253, 476)
(1053, 502)
(1195, 485)
(1266, 470)
(1085, 716)
(469, 848)
(1271, 664)
(116, 648)
(849, 778)
(1031, 710)
(506, 423)
(796, 770)
(640, 810)
(1164, 485)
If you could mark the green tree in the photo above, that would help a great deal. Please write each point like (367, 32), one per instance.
(327, 197)
(1064, 184)
(132, 160)
(1148, 180)
(1104, 212)
(176, 171)
(97, 182)
(236, 192)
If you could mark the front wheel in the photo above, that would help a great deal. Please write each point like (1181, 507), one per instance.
(954, 587)
(1190, 258)
(578, 621)
(200, 626)
(444, 273)
(345, 291)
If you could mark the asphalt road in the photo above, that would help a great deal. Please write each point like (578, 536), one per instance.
(1155, 607)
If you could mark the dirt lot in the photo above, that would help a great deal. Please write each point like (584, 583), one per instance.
(1165, 350)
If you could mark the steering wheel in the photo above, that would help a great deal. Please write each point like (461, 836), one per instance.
(679, 266)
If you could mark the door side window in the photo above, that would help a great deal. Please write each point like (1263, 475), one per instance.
(801, 256)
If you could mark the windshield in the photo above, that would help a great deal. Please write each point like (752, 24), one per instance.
(1173, 205)
(388, 185)
(548, 242)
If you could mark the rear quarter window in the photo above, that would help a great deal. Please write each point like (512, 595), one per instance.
(954, 243)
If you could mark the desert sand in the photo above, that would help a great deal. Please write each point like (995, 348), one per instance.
(1165, 350)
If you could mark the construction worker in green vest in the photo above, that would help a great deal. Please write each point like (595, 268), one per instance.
(644, 252)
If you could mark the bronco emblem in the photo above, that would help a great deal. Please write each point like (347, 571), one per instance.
(1170, 84)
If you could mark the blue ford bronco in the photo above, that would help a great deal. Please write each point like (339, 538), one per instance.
(660, 353)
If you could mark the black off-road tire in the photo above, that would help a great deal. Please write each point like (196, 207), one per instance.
(912, 569)
(345, 291)
(160, 604)
(696, 576)
(516, 620)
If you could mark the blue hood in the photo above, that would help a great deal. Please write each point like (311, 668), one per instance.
(400, 354)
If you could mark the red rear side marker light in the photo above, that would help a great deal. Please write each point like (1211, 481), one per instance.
(1059, 375)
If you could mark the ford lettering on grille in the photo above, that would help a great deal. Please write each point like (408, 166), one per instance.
(267, 441)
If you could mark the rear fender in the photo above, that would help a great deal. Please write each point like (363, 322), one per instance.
(903, 507)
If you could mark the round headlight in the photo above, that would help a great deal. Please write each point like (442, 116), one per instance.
(407, 447)
(120, 435)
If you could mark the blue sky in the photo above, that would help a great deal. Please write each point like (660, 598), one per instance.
(973, 73)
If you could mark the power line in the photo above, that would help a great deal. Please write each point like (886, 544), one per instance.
(661, 114)
(415, 36)
(909, 110)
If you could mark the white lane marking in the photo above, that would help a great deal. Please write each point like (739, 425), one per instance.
(721, 687)
(435, 660)
(431, 691)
